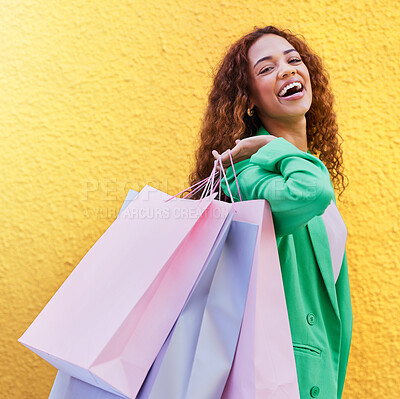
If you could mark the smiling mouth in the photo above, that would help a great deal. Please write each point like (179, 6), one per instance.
(293, 95)
(291, 89)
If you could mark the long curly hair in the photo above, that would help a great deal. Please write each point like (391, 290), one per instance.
(226, 118)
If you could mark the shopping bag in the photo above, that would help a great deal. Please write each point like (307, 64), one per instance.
(264, 365)
(195, 361)
(196, 358)
(199, 351)
(106, 323)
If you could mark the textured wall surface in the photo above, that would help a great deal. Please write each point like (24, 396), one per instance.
(101, 96)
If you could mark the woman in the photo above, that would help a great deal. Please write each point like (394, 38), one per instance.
(272, 106)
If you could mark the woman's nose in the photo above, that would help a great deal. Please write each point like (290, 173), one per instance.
(287, 72)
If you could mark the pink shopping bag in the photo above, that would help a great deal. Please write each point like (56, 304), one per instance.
(107, 322)
(264, 365)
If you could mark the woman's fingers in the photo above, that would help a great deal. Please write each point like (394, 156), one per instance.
(225, 158)
(243, 149)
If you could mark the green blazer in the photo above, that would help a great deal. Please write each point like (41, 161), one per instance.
(298, 188)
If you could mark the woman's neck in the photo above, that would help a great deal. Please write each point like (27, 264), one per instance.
(293, 131)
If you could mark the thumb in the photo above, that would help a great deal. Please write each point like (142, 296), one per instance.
(237, 141)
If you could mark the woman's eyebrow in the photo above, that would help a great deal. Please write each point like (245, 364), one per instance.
(269, 57)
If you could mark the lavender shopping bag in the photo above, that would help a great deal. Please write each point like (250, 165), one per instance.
(67, 387)
(107, 323)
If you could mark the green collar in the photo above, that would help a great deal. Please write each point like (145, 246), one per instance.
(262, 131)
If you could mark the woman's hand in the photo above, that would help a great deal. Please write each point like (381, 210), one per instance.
(243, 149)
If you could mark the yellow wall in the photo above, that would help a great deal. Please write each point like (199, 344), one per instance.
(101, 96)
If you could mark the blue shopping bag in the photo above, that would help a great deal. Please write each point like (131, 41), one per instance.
(67, 387)
(132, 194)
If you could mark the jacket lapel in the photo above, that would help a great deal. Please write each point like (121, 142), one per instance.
(320, 243)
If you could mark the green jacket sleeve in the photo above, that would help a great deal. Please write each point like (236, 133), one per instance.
(296, 184)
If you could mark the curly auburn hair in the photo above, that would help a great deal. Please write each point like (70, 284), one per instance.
(226, 118)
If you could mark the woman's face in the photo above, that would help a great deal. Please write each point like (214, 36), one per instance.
(280, 86)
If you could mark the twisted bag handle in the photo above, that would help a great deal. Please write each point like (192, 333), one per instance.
(208, 185)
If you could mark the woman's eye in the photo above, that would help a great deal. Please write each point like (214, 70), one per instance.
(267, 69)
(295, 60)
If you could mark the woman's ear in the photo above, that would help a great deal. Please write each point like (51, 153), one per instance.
(250, 108)
(250, 103)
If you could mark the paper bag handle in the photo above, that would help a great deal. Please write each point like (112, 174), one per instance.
(207, 184)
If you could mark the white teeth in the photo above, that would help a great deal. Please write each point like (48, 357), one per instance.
(286, 88)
